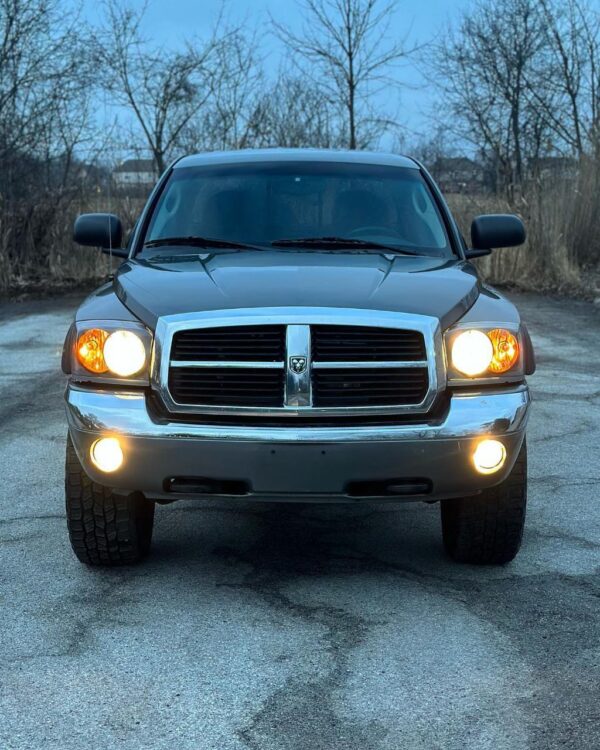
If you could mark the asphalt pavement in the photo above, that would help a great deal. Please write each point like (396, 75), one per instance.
(296, 627)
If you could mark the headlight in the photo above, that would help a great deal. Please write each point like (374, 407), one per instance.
(483, 352)
(124, 353)
(110, 351)
(472, 352)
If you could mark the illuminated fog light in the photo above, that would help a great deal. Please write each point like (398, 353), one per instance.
(472, 352)
(489, 456)
(106, 454)
(124, 353)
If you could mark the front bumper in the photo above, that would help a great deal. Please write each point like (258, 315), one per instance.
(296, 463)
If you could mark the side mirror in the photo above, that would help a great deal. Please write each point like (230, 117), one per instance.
(100, 230)
(495, 230)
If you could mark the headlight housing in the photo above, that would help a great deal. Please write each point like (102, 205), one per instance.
(111, 352)
(488, 353)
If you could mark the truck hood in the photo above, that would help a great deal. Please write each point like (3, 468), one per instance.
(154, 287)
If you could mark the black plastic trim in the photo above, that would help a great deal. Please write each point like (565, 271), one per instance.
(528, 351)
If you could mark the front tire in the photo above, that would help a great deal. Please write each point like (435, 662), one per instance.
(104, 528)
(487, 529)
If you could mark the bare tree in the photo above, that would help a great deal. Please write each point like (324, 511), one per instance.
(568, 68)
(231, 119)
(45, 90)
(43, 67)
(164, 89)
(486, 70)
(433, 148)
(522, 79)
(344, 48)
(293, 113)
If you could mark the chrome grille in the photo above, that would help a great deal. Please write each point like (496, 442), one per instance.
(298, 362)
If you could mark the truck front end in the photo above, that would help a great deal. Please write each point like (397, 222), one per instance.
(318, 369)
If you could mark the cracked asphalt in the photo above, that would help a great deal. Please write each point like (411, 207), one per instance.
(259, 627)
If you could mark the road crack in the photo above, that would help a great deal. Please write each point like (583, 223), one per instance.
(302, 713)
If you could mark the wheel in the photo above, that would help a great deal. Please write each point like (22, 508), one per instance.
(104, 528)
(487, 529)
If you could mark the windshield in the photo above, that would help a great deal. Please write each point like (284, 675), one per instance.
(322, 203)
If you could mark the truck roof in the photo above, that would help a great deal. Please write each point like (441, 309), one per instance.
(246, 156)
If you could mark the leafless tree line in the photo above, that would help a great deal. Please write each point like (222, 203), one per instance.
(215, 94)
(518, 81)
(75, 94)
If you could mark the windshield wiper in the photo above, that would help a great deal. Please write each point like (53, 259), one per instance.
(195, 241)
(339, 243)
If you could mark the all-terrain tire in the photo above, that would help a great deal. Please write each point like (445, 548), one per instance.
(105, 528)
(487, 529)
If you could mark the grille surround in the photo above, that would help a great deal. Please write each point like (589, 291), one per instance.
(295, 318)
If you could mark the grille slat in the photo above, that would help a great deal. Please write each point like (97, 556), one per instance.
(224, 387)
(337, 388)
(240, 343)
(332, 343)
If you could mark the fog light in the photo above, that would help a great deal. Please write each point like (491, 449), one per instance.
(489, 456)
(106, 454)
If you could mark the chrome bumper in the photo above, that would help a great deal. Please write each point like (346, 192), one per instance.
(297, 462)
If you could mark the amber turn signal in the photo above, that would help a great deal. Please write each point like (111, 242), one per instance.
(90, 350)
(506, 350)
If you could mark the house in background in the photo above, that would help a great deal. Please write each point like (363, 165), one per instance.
(459, 174)
(554, 168)
(135, 173)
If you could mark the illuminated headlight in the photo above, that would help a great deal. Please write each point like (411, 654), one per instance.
(124, 353)
(112, 351)
(472, 352)
(475, 352)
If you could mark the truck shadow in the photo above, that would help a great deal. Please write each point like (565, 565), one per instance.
(298, 540)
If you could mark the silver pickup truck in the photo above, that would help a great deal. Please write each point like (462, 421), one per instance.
(296, 326)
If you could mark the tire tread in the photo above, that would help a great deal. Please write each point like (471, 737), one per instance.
(488, 529)
(104, 528)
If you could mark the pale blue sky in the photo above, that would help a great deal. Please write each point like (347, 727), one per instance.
(169, 21)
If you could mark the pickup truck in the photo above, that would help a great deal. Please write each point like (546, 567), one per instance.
(296, 326)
